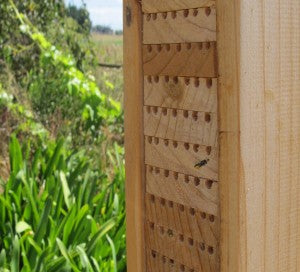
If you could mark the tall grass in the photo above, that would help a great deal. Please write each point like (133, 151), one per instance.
(58, 215)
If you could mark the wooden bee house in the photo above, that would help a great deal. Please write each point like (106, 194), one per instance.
(212, 135)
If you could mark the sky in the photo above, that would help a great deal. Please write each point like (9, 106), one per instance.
(104, 12)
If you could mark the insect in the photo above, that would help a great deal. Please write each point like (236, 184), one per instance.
(201, 163)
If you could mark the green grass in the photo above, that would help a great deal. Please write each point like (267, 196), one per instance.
(109, 49)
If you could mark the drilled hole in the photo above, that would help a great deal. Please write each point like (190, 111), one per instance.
(156, 79)
(178, 47)
(154, 110)
(195, 12)
(167, 173)
(159, 47)
(208, 150)
(174, 14)
(156, 141)
(148, 17)
(157, 170)
(210, 250)
(185, 114)
(197, 181)
(196, 82)
(186, 13)
(149, 48)
(203, 215)
(153, 253)
(166, 142)
(152, 198)
(174, 113)
(171, 204)
(181, 208)
(196, 148)
(151, 225)
(154, 16)
(150, 140)
(175, 144)
(182, 268)
(175, 174)
(209, 184)
(170, 233)
(207, 117)
(162, 202)
(208, 11)
(202, 246)
(187, 146)
(207, 45)
(164, 15)
(200, 46)
(148, 109)
(167, 78)
(186, 179)
(192, 211)
(150, 169)
(209, 82)
(188, 46)
(181, 238)
(191, 241)
(149, 79)
(212, 218)
(164, 259)
(195, 116)
(171, 261)
(175, 80)
(168, 47)
(164, 111)
(187, 81)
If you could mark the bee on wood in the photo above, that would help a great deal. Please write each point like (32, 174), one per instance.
(201, 163)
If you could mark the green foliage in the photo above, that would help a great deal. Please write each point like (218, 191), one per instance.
(81, 16)
(57, 215)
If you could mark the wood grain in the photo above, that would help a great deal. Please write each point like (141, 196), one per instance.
(197, 25)
(194, 94)
(176, 157)
(260, 194)
(191, 59)
(181, 125)
(159, 263)
(198, 193)
(152, 6)
(189, 221)
(135, 188)
(188, 251)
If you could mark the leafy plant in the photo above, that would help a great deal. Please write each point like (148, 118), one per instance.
(57, 215)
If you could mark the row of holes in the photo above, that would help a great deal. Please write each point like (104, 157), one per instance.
(175, 80)
(179, 47)
(171, 262)
(181, 238)
(186, 113)
(187, 146)
(187, 178)
(173, 14)
(182, 208)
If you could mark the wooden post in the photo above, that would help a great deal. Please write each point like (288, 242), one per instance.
(212, 103)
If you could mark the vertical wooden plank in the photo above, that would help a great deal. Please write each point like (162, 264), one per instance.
(259, 110)
(228, 38)
(134, 140)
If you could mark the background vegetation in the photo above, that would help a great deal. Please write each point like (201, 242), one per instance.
(61, 130)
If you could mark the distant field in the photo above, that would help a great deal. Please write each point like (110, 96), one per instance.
(109, 49)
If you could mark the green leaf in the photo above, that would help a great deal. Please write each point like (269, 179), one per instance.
(66, 189)
(15, 258)
(22, 226)
(66, 255)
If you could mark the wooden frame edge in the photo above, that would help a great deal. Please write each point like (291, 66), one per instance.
(134, 139)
